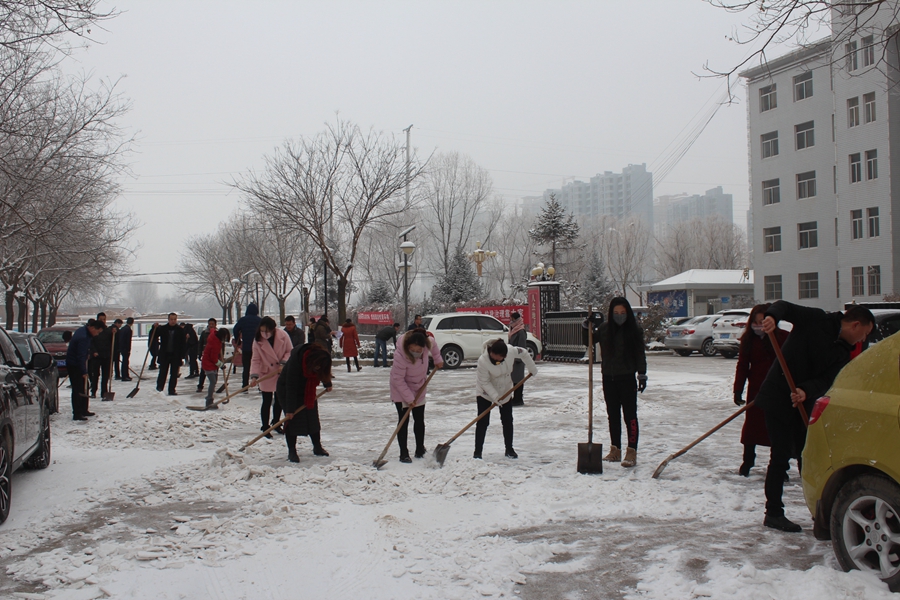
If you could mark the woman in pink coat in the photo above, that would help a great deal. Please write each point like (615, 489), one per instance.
(271, 349)
(408, 374)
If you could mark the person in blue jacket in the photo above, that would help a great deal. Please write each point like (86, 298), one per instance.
(77, 366)
(245, 330)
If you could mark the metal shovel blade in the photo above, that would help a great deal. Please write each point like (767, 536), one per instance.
(134, 392)
(590, 458)
(661, 467)
(440, 453)
(379, 463)
(108, 396)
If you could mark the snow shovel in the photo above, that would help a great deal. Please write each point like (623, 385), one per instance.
(665, 463)
(441, 450)
(233, 394)
(380, 462)
(787, 375)
(110, 395)
(286, 418)
(590, 456)
(224, 385)
(137, 386)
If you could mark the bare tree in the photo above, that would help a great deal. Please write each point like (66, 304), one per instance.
(25, 24)
(142, 296)
(626, 246)
(710, 243)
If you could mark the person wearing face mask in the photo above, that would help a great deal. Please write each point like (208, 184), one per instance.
(271, 349)
(408, 374)
(494, 378)
(622, 356)
(755, 358)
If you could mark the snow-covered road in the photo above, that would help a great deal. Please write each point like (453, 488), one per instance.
(150, 500)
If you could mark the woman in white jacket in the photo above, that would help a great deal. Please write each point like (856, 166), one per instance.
(495, 367)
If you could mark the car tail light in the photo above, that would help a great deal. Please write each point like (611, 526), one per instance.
(739, 324)
(715, 324)
(689, 331)
(819, 408)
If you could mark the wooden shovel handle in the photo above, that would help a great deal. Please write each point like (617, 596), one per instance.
(405, 416)
(286, 418)
(488, 409)
(787, 375)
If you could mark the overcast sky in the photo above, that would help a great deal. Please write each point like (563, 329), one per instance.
(535, 92)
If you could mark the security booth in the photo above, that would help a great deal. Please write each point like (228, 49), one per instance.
(702, 291)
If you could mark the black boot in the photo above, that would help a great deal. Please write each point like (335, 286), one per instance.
(292, 447)
(268, 436)
(781, 523)
(749, 460)
(510, 453)
(316, 439)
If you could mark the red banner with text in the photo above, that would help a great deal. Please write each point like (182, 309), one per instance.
(382, 317)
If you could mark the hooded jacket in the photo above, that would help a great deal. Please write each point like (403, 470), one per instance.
(246, 327)
(495, 380)
(407, 378)
(267, 356)
(349, 341)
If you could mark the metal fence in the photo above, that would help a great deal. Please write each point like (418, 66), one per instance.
(564, 337)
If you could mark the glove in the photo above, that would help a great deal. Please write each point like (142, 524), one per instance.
(738, 400)
(220, 364)
(642, 383)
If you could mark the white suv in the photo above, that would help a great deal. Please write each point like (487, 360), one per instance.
(461, 336)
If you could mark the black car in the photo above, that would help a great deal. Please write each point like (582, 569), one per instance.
(24, 416)
(28, 344)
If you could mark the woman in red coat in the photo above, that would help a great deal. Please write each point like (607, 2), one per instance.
(350, 343)
(755, 357)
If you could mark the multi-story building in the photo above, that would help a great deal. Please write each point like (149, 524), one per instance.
(668, 210)
(823, 148)
(619, 195)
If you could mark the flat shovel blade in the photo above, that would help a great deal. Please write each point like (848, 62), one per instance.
(590, 458)
(109, 396)
(379, 463)
(440, 453)
(134, 392)
(661, 467)
(197, 407)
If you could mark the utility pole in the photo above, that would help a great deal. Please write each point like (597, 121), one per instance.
(405, 253)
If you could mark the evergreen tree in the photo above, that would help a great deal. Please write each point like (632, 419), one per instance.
(554, 227)
(381, 292)
(596, 289)
(460, 284)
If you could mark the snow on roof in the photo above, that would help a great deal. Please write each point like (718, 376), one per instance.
(703, 278)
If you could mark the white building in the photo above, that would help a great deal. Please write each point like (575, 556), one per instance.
(668, 210)
(619, 195)
(822, 123)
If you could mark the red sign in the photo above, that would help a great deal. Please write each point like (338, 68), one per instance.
(501, 313)
(381, 317)
(534, 310)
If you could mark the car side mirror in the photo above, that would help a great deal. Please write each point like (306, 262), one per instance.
(41, 360)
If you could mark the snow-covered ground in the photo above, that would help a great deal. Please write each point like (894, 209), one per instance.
(150, 500)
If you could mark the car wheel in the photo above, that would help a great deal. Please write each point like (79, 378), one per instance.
(532, 350)
(452, 356)
(707, 348)
(865, 528)
(5, 475)
(41, 457)
(728, 354)
(683, 352)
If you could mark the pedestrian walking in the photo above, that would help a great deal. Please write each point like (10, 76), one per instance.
(323, 333)
(153, 348)
(817, 348)
(212, 360)
(211, 326)
(123, 350)
(172, 340)
(381, 339)
(77, 355)
(191, 350)
(408, 374)
(350, 344)
(271, 349)
(755, 357)
(622, 357)
(308, 366)
(493, 379)
(518, 338)
(244, 331)
(296, 334)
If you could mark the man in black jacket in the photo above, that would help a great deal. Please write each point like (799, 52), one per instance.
(816, 350)
(123, 351)
(193, 343)
(102, 353)
(171, 339)
(295, 333)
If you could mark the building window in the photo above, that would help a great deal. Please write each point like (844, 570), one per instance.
(767, 98)
(856, 224)
(808, 234)
(851, 59)
(868, 50)
(773, 287)
(803, 86)
(869, 106)
(771, 191)
(874, 225)
(857, 282)
(874, 280)
(809, 285)
(805, 133)
(806, 185)
(772, 239)
(853, 112)
(855, 168)
(769, 144)
(871, 164)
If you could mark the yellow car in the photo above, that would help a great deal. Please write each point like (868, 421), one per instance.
(851, 463)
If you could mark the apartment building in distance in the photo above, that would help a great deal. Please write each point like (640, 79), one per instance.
(678, 208)
(825, 165)
(619, 195)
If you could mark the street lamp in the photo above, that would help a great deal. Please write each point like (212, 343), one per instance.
(479, 256)
(539, 273)
(408, 248)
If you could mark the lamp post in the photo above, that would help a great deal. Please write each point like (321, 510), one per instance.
(479, 256)
(408, 248)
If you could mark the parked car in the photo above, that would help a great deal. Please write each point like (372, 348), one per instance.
(24, 417)
(887, 323)
(27, 344)
(693, 335)
(461, 336)
(851, 467)
(728, 330)
(52, 338)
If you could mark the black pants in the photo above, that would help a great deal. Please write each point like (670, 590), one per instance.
(787, 435)
(418, 415)
(246, 357)
(202, 379)
(168, 365)
(506, 418)
(620, 393)
(94, 373)
(80, 400)
(123, 365)
(356, 360)
(518, 398)
(269, 400)
(192, 361)
(314, 436)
